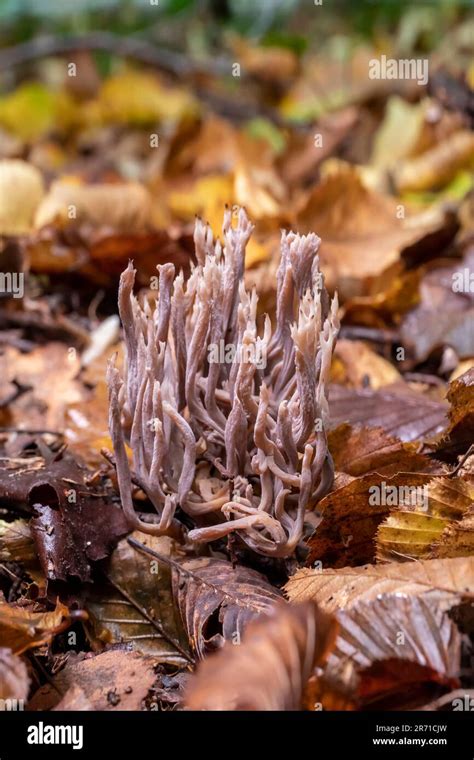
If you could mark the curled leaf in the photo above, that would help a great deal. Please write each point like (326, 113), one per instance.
(217, 600)
(270, 668)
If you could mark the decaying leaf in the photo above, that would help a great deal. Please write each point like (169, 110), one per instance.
(444, 581)
(351, 516)
(21, 191)
(22, 629)
(400, 411)
(72, 526)
(217, 600)
(399, 628)
(424, 529)
(135, 607)
(363, 235)
(269, 669)
(359, 450)
(115, 680)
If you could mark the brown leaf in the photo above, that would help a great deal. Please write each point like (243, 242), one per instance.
(22, 629)
(74, 699)
(139, 592)
(217, 600)
(356, 365)
(116, 680)
(269, 669)
(360, 450)
(426, 529)
(445, 581)
(445, 315)
(362, 233)
(125, 207)
(73, 526)
(346, 535)
(399, 628)
(460, 433)
(398, 410)
(100, 253)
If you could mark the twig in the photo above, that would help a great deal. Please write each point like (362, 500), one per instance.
(463, 459)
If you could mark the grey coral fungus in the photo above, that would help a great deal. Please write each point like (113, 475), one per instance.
(224, 420)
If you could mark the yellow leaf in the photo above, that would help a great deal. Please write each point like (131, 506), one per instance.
(21, 191)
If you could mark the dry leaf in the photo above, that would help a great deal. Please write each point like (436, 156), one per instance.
(360, 450)
(137, 585)
(217, 601)
(346, 535)
(444, 316)
(21, 192)
(418, 531)
(362, 232)
(437, 166)
(444, 581)
(270, 668)
(124, 207)
(400, 411)
(399, 628)
(356, 365)
(22, 629)
(116, 680)
(460, 433)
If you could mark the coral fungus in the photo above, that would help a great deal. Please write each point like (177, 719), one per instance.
(226, 417)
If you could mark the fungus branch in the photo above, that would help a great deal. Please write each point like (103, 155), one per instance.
(225, 420)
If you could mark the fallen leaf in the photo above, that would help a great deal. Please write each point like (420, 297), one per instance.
(116, 680)
(437, 166)
(21, 192)
(402, 629)
(397, 409)
(444, 316)
(418, 531)
(270, 668)
(72, 525)
(124, 207)
(460, 433)
(217, 600)
(346, 535)
(22, 629)
(356, 365)
(135, 97)
(138, 584)
(360, 450)
(363, 233)
(443, 581)
(75, 700)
